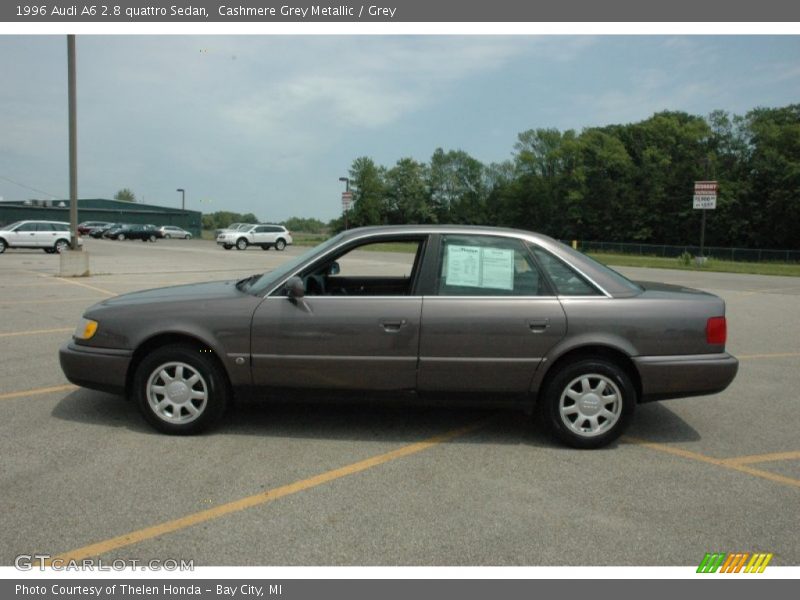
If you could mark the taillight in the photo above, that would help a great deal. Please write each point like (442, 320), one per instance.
(716, 330)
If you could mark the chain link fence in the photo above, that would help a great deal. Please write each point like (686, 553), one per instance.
(732, 254)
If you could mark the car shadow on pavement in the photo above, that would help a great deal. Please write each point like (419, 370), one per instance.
(656, 422)
(366, 422)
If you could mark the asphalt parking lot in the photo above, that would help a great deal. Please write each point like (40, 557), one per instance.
(82, 475)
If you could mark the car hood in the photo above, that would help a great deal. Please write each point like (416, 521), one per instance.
(178, 293)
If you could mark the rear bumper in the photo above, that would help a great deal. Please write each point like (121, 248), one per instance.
(102, 369)
(665, 377)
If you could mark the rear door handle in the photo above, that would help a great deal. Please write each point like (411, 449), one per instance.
(538, 325)
(393, 325)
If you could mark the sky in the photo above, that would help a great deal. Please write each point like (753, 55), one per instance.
(268, 123)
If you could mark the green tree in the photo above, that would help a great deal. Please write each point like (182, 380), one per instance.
(125, 195)
(407, 197)
(369, 193)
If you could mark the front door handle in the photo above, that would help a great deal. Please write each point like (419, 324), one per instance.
(538, 325)
(393, 325)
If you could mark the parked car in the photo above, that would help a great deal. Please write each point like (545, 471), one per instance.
(171, 231)
(87, 227)
(100, 231)
(264, 235)
(509, 318)
(233, 227)
(146, 233)
(50, 236)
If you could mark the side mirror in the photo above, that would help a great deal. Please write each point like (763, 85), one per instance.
(295, 288)
(334, 269)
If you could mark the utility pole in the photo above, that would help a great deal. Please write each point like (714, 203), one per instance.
(73, 145)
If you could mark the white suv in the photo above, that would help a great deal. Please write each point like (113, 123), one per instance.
(50, 236)
(266, 236)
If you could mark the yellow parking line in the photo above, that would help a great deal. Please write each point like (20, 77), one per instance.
(57, 301)
(221, 510)
(87, 286)
(758, 458)
(719, 462)
(38, 391)
(35, 332)
(769, 355)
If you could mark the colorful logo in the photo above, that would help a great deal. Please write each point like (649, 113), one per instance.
(734, 562)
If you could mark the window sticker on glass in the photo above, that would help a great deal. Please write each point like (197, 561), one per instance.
(497, 268)
(463, 266)
(475, 266)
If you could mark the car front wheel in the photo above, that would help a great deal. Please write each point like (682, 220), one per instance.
(166, 236)
(241, 244)
(589, 403)
(188, 236)
(180, 390)
(120, 237)
(3, 246)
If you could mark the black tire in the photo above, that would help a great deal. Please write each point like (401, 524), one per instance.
(227, 246)
(265, 246)
(3, 245)
(280, 245)
(120, 236)
(49, 250)
(60, 246)
(241, 244)
(602, 410)
(181, 421)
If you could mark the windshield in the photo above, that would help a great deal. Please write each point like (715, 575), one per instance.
(281, 271)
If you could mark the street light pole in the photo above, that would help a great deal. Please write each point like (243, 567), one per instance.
(183, 198)
(346, 189)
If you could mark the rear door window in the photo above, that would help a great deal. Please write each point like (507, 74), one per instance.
(474, 265)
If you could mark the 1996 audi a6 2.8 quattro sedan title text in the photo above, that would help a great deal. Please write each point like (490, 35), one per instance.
(462, 313)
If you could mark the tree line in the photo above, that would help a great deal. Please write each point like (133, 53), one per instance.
(619, 183)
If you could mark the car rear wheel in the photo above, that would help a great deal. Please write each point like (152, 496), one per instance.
(180, 390)
(3, 246)
(61, 246)
(280, 245)
(241, 244)
(589, 403)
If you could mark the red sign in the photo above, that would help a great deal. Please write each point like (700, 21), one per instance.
(704, 188)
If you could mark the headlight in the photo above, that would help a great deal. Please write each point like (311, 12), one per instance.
(85, 330)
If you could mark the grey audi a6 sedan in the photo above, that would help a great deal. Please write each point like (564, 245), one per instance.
(498, 316)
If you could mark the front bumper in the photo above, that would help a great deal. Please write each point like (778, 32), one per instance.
(103, 369)
(665, 377)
